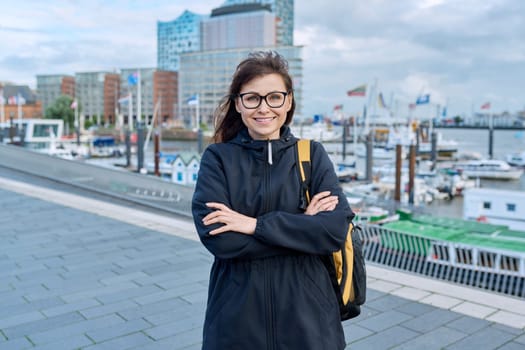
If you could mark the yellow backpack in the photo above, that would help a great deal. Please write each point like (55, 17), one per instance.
(346, 266)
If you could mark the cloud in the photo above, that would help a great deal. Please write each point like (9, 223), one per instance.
(462, 52)
(458, 51)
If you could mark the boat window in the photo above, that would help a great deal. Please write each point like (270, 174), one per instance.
(487, 259)
(440, 252)
(464, 256)
(511, 207)
(486, 205)
(509, 263)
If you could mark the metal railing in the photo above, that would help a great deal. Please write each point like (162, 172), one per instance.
(122, 184)
(491, 269)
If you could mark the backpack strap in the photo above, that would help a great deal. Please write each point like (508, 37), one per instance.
(305, 169)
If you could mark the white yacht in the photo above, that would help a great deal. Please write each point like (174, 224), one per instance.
(495, 206)
(516, 159)
(489, 169)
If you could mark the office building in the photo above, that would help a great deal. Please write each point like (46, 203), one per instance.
(207, 74)
(139, 83)
(284, 12)
(95, 93)
(239, 26)
(111, 96)
(50, 87)
(165, 95)
(176, 37)
(18, 102)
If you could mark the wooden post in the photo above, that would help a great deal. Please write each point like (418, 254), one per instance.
(399, 163)
(411, 173)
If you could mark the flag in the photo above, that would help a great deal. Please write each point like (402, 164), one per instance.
(124, 99)
(358, 91)
(74, 104)
(423, 99)
(16, 100)
(193, 100)
(381, 100)
(444, 113)
(20, 100)
(486, 105)
(133, 78)
(338, 107)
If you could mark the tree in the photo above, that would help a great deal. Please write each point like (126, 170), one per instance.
(61, 109)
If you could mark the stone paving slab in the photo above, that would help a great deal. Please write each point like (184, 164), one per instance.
(78, 279)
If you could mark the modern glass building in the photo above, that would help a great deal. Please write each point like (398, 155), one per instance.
(211, 84)
(284, 12)
(176, 37)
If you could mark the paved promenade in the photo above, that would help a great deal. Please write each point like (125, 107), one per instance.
(83, 273)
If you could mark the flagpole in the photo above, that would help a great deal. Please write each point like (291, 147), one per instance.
(2, 106)
(19, 108)
(139, 97)
(198, 113)
(77, 122)
(130, 111)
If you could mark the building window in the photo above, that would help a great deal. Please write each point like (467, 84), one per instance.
(511, 207)
(486, 205)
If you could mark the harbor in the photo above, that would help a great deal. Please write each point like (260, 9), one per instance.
(432, 234)
(423, 256)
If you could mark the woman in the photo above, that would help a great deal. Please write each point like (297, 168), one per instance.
(268, 286)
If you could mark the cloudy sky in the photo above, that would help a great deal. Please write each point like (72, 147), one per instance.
(462, 52)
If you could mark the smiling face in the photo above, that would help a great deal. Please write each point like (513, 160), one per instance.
(264, 122)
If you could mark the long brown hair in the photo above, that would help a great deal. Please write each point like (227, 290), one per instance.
(228, 121)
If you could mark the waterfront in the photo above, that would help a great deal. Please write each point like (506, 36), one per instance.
(472, 140)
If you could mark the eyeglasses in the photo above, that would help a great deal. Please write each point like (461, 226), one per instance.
(274, 99)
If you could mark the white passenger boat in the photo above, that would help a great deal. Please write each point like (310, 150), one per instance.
(516, 159)
(489, 169)
(495, 206)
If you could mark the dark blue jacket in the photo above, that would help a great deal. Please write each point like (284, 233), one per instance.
(270, 290)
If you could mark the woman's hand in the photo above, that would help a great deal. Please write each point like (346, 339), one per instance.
(231, 220)
(322, 201)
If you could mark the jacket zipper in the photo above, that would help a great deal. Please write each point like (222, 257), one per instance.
(268, 282)
(267, 179)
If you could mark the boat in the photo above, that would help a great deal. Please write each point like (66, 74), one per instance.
(379, 153)
(404, 136)
(472, 253)
(489, 169)
(37, 133)
(104, 147)
(516, 159)
(372, 215)
(495, 206)
(318, 131)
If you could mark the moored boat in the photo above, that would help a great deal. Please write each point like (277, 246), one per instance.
(466, 252)
(516, 159)
(489, 169)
